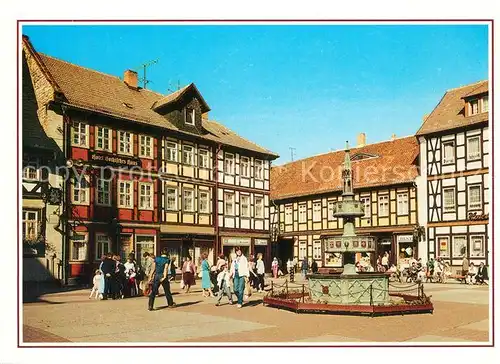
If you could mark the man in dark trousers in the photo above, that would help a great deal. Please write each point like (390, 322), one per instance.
(159, 274)
(108, 270)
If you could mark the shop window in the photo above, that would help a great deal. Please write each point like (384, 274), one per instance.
(171, 199)
(125, 142)
(145, 146)
(477, 248)
(143, 244)
(402, 203)
(333, 260)
(203, 156)
(204, 202)
(317, 249)
(317, 211)
(303, 213)
(245, 167)
(259, 207)
(288, 215)
(172, 151)
(383, 206)
(79, 245)
(443, 247)
(103, 138)
(459, 246)
(406, 253)
(102, 246)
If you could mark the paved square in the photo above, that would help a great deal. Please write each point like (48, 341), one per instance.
(461, 314)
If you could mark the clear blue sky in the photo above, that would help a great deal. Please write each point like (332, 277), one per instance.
(307, 87)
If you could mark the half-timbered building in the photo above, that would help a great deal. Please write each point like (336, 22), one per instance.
(141, 165)
(455, 157)
(304, 192)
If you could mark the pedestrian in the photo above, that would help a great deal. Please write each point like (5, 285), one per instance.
(159, 274)
(206, 284)
(465, 267)
(96, 284)
(173, 269)
(130, 274)
(239, 271)
(295, 264)
(120, 278)
(314, 267)
(261, 270)
(275, 267)
(108, 267)
(291, 269)
(385, 261)
(304, 268)
(188, 272)
(220, 262)
(252, 265)
(223, 280)
(482, 274)
(148, 264)
(471, 274)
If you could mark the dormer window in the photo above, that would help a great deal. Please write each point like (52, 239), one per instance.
(474, 107)
(485, 104)
(189, 116)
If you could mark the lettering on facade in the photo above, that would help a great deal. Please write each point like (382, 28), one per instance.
(236, 241)
(111, 160)
(473, 216)
(260, 242)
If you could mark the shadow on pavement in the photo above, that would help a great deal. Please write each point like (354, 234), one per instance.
(183, 304)
(32, 291)
(253, 303)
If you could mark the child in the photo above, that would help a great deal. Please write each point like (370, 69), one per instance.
(97, 283)
(223, 284)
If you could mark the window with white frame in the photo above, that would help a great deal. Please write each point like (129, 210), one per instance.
(485, 104)
(188, 154)
(366, 202)
(190, 115)
(448, 152)
(449, 199)
(383, 205)
(229, 163)
(145, 146)
(317, 249)
(125, 194)
(103, 190)
(403, 203)
(331, 210)
(474, 107)
(245, 205)
(245, 167)
(229, 203)
(31, 170)
(475, 199)
(79, 245)
(188, 200)
(317, 211)
(30, 224)
(259, 169)
(80, 190)
(476, 248)
(302, 213)
(172, 151)
(80, 134)
(443, 246)
(473, 148)
(259, 207)
(459, 246)
(171, 198)
(288, 215)
(203, 158)
(103, 138)
(302, 250)
(102, 245)
(145, 196)
(124, 142)
(204, 202)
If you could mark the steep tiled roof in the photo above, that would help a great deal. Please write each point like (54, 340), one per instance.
(96, 91)
(395, 162)
(450, 112)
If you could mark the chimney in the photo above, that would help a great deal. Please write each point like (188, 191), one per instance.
(361, 140)
(130, 78)
(393, 136)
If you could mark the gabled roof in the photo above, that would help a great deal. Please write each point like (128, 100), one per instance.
(450, 112)
(395, 164)
(177, 95)
(91, 90)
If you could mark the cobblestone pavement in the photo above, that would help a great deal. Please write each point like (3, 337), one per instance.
(461, 315)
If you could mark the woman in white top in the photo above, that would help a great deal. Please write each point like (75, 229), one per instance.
(471, 275)
(275, 267)
(239, 271)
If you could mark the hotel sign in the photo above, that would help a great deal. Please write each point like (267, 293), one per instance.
(113, 160)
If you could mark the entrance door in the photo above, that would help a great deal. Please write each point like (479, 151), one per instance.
(144, 243)
(284, 252)
(260, 250)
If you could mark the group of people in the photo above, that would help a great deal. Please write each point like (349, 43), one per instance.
(292, 267)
